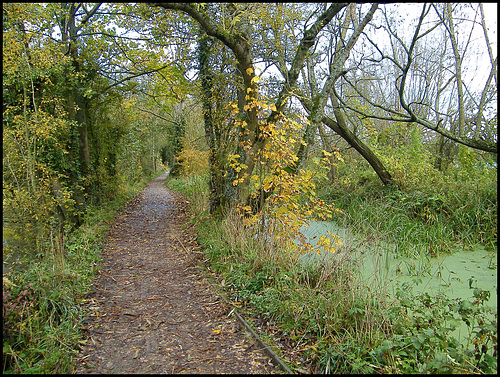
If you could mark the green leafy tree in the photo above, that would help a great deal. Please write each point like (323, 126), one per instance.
(232, 25)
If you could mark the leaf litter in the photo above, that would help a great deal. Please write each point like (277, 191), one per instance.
(151, 310)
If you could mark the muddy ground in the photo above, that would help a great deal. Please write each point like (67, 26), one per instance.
(151, 309)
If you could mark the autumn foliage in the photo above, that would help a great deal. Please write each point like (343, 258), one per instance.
(282, 203)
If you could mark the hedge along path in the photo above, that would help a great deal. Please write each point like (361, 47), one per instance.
(151, 310)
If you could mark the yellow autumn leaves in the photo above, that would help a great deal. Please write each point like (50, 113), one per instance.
(290, 199)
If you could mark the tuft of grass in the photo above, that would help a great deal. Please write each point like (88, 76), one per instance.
(430, 223)
(195, 187)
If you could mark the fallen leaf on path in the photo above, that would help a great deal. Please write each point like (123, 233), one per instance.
(136, 353)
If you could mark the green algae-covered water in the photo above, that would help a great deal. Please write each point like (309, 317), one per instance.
(454, 275)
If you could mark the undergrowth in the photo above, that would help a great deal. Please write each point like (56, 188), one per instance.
(326, 317)
(42, 293)
(458, 215)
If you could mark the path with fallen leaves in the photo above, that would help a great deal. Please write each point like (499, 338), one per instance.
(151, 310)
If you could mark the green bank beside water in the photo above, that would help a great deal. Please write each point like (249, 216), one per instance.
(455, 275)
(375, 306)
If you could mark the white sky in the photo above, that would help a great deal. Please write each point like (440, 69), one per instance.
(490, 14)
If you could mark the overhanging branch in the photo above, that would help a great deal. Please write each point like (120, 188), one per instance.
(133, 76)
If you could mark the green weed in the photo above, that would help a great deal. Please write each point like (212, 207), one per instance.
(195, 187)
(430, 223)
(423, 341)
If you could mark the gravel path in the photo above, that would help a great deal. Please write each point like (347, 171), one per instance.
(152, 311)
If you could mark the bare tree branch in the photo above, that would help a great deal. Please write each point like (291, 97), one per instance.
(133, 76)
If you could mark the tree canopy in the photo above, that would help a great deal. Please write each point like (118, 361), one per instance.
(87, 85)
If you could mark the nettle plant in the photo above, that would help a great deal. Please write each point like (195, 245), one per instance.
(282, 201)
(424, 340)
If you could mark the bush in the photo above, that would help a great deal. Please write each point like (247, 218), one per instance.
(193, 162)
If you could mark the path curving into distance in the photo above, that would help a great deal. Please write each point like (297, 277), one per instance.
(151, 310)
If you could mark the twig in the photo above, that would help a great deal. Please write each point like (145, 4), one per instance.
(184, 248)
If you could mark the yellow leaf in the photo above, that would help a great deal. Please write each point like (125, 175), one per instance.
(338, 156)
(324, 241)
(8, 283)
(272, 107)
(249, 71)
(216, 331)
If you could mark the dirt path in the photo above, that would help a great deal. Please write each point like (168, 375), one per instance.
(152, 310)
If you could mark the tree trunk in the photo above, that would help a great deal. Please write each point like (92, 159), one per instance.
(332, 172)
(353, 140)
(212, 134)
(458, 71)
(340, 127)
(77, 107)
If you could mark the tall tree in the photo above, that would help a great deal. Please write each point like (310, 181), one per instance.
(212, 131)
(236, 34)
(404, 53)
(316, 104)
(37, 133)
